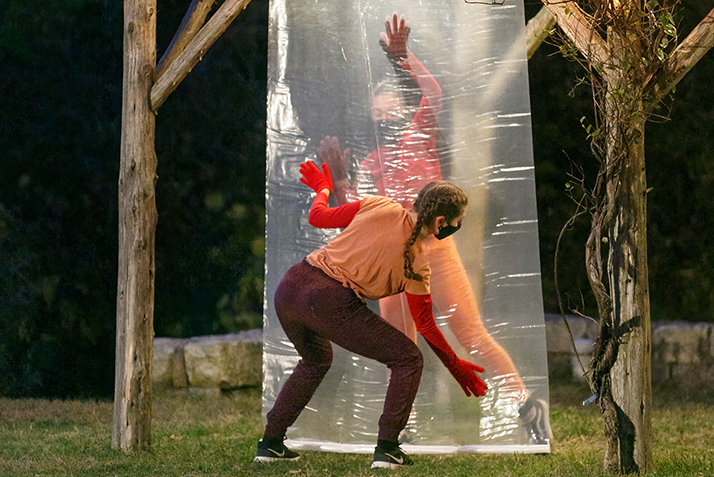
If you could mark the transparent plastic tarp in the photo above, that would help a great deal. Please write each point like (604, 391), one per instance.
(325, 65)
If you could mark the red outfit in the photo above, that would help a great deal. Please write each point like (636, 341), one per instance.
(402, 169)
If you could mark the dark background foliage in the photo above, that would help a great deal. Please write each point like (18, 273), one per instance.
(60, 121)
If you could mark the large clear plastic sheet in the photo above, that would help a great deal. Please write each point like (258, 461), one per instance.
(325, 68)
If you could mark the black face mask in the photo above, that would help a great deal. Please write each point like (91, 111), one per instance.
(446, 231)
(389, 131)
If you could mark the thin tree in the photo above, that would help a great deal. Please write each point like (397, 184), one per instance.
(144, 90)
(629, 50)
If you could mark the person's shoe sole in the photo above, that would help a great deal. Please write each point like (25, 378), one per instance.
(386, 465)
(260, 458)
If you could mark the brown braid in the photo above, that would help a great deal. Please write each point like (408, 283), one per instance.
(435, 199)
(408, 268)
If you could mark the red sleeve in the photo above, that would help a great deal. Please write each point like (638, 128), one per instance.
(430, 106)
(421, 310)
(324, 217)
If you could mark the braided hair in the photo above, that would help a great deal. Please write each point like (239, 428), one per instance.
(435, 199)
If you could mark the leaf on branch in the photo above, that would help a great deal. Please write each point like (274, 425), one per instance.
(592, 131)
(569, 51)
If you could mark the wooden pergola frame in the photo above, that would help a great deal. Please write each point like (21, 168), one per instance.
(146, 86)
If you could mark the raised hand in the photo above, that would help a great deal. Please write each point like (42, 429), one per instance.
(314, 178)
(394, 40)
(328, 152)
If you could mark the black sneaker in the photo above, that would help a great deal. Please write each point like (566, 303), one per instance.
(536, 421)
(269, 452)
(390, 459)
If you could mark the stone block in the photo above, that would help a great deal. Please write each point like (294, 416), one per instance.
(681, 343)
(168, 368)
(225, 361)
(556, 333)
(584, 347)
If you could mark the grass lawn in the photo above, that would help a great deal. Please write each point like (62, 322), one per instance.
(216, 436)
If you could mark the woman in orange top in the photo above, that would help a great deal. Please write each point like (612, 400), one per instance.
(321, 301)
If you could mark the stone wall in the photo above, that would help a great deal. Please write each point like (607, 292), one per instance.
(220, 362)
(682, 353)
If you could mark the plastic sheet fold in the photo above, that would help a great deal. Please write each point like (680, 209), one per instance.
(326, 67)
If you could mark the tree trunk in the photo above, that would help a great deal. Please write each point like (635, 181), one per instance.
(137, 227)
(621, 368)
(626, 393)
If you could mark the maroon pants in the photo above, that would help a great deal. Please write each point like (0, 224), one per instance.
(315, 310)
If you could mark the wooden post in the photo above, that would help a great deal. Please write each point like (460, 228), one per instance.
(131, 429)
(627, 394)
(137, 227)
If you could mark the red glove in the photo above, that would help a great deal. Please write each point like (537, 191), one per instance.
(328, 151)
(314, 178)
(465, 373)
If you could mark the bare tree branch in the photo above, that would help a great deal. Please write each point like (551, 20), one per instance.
(683, 58)
(579, 29)
(206, 37)
(537, 30)
(190, 25)
(580, 211)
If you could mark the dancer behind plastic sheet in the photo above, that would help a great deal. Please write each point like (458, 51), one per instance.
(322, 301)
(407, 158)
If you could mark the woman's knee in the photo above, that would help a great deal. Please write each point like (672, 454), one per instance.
(318, 364)
(412, 358)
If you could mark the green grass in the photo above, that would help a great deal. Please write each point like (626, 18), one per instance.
(216, 436)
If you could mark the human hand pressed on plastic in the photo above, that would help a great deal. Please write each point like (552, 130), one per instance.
(394, 40)
(465, 373)
(328, 152)
(314, 178)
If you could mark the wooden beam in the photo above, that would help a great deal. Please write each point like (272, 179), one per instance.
(578, 28)
(537, 30)
(190, 25)
(206, 37)
(682, 59)
(137, 229)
